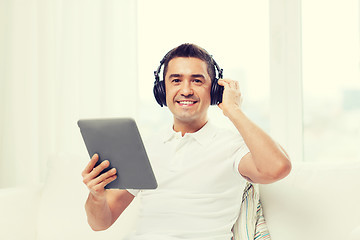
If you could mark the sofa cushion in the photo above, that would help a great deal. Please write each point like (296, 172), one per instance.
(62, 214)
(316, 201)
(18, 209)
(355, 234)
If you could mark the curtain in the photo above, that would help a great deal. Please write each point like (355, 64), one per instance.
(61, 60)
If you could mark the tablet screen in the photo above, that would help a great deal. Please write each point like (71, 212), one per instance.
(118, 140)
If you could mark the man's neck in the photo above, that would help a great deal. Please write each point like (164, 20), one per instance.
(188, 127)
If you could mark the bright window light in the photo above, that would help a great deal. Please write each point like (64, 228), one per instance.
(331, 80)
(235, 32)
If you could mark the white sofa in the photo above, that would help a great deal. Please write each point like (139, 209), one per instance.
(316, 201)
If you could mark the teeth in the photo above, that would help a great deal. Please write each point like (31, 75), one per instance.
(186, 102)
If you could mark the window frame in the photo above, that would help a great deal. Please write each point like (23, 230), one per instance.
(286, 91)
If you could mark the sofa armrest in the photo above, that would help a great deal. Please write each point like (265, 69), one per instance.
(318, 200)
(18, 213)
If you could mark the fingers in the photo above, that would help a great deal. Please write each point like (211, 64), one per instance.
(102, 180)
(235, 84)
(106, 181)
(232, 97)
(97, 170)
(91, 164)
(94, 173)
(92, 177)
(221, 82)
(228, 83)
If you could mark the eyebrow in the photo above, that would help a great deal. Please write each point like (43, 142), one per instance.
(198, 76)
(175, 75)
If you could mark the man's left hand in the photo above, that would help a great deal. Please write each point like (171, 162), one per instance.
(232, 97)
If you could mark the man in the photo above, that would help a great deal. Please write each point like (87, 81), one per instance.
(200, 169)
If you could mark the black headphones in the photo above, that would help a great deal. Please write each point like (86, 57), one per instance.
(216, 91)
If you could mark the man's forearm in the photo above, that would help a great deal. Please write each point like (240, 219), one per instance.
(268, 156)
(98, 213)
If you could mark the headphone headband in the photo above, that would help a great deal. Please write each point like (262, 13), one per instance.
(220, 70)
(157, 71)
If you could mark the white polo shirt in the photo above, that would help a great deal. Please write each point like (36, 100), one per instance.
(199, 187)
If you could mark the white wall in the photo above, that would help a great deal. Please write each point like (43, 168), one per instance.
(61, 60)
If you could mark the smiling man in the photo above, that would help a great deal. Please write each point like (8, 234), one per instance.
(201, 169)
(188, 85)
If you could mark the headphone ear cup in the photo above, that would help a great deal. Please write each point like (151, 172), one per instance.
(159, 93)
(216, 92)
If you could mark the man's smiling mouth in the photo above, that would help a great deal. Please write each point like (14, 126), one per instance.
(186, 102)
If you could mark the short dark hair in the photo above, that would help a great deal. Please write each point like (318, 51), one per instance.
(191, 50)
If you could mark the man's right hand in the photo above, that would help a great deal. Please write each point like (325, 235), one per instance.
(95, 181)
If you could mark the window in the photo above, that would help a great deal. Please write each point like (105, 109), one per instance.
(331, 80)
(235, 32)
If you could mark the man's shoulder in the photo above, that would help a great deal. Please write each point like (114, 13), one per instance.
(156, 136)
(226, 132)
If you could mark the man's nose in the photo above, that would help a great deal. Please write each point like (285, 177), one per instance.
(186, 89)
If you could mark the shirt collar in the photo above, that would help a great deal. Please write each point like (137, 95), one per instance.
(203, 135)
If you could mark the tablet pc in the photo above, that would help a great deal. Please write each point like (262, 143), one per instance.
(118, 140)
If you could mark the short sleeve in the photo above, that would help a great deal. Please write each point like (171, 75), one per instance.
(239, 154)
(134, 192)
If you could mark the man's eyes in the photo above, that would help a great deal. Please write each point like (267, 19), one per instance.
(197, 81)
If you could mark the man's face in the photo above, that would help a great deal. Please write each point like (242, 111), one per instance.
(188, 86)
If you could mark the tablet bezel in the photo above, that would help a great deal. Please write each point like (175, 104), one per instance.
(118, 140)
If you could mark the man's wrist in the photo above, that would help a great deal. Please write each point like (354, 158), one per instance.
(235, 113)
(97, 198)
